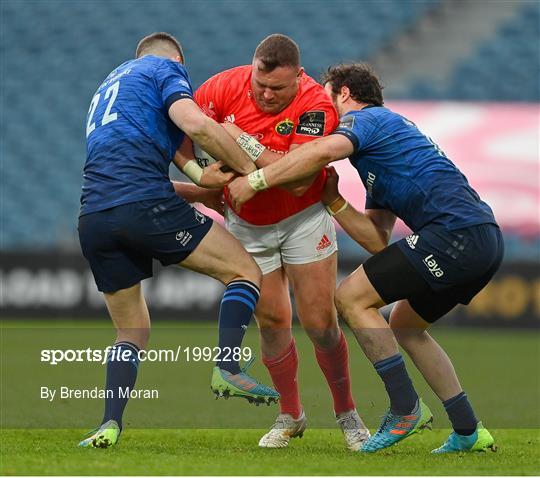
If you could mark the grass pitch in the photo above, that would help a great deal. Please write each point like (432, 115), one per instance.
(187, 432)
(222, 452)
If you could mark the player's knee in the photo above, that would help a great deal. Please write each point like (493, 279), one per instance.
(247, 269)
(255, 273)
(326, 338)
(350, 296)
(273, 320)
(321, 324)
(138, 335)
(408, 337)
(344, 298)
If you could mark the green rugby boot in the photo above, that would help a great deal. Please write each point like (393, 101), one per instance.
(395, 428)
(105, 436)
(225, 384)
(480, 440)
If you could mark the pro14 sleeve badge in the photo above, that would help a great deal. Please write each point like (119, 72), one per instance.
(346, 122)
(311, 123)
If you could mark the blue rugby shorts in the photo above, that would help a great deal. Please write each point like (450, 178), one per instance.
(121, 242)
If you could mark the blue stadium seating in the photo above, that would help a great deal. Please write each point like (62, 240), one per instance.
(54, 53)
(503, 68)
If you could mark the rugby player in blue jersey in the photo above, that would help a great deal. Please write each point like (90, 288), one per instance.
(455, 249)
(130, 212)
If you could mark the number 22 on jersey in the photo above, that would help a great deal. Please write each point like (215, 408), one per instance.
(108, 117)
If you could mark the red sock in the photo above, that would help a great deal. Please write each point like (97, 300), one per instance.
(283, 370)
(335, 366)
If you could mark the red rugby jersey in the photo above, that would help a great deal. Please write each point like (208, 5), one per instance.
(227, 96)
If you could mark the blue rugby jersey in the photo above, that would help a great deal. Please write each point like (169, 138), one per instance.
(130, 138)
(405, 172)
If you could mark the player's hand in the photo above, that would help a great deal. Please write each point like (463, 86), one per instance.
(214, 178)
(213, 199)
(331, 191)
(240, 192)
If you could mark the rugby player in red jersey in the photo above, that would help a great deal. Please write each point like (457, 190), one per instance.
(270, 107)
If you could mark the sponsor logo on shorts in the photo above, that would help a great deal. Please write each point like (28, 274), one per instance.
(200, 216)
(432, 266)
(230, 118)
(412, 240)
(285, 127)
(311, 123)
(183, 237)
(370, 183)
(324, 243)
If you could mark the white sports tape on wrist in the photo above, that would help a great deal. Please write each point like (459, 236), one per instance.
(193, 171)
(250, 145)
(257, 180)
(337, 206)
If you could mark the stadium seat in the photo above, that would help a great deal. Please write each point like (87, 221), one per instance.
(57, 61)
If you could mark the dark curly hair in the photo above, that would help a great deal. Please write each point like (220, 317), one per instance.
(359, 78)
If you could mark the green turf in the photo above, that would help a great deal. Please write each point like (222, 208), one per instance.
(498, 369)
(220, 452)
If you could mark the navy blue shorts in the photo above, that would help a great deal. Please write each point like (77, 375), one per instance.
(436, 269)
(120, 242)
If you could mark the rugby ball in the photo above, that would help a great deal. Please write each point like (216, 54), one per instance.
(202, 157)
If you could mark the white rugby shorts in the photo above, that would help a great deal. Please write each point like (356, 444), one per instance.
(307, 236)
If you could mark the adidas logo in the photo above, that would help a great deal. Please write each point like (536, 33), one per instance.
(230, 118)
(412, 240)
(324, 243)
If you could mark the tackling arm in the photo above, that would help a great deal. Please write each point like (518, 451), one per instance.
(371, 230)
(211, 198)
(190, 192)
(210, 177)
(267, 157)
(209, 135)
(303, 162)
(308, 159)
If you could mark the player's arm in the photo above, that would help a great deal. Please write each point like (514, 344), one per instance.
(301, 163)
(209, 135)
(371, 230)
(267, 157)
(211, 198)
(299, 187)
(209, 177)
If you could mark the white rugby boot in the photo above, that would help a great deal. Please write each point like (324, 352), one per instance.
(284, 428)
(353, 428)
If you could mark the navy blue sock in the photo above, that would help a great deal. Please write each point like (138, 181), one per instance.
(461, 414)
(398, 384)
(237, 306)
(122, 366)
